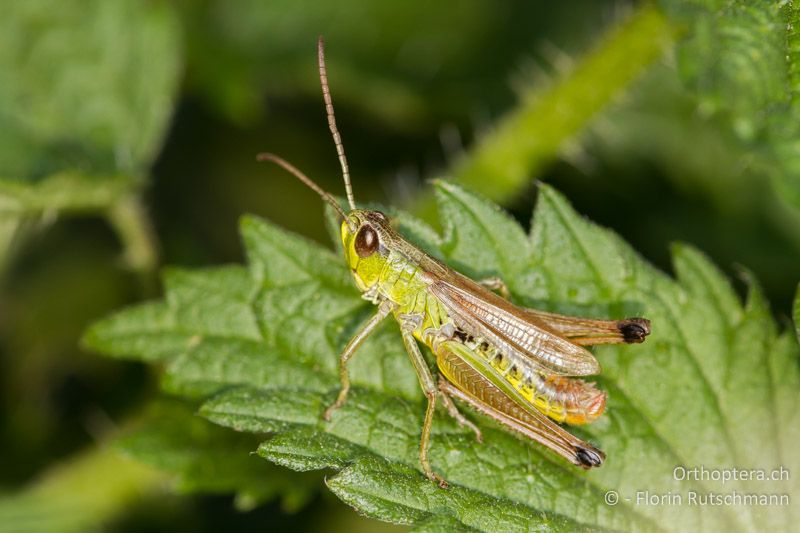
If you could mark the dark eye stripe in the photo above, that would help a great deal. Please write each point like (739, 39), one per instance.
(366, 241)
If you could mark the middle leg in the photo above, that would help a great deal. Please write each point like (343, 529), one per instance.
(430, 390)
(496, 284)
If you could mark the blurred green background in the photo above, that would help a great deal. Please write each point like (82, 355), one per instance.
(128, 134)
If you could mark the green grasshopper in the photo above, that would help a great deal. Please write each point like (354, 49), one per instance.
(506, 362)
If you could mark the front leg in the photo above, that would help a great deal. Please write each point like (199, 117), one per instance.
(344, 377)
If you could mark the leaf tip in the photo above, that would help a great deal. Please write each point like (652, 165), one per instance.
(444, 186)
(90, 340)
(248, 221)
(548, 192)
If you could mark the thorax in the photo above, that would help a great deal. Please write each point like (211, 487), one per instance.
(404, 283)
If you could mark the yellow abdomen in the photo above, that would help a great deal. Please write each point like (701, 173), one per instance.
(563, 399)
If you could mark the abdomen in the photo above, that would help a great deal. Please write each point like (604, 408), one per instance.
(563, 399)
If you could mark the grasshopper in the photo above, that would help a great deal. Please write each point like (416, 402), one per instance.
(512, 364)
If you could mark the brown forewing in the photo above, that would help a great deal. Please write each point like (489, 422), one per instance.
(510, 328)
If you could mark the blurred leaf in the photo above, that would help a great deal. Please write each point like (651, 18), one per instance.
(83, 494)
(85, 85)
(742, 61)
(86, 92)
(715, 386)
(209, 459)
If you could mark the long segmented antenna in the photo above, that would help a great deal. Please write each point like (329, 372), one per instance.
(337, 139)
(325, 195)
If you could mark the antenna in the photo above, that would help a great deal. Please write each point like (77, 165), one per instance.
(308, 181)
(337, 139)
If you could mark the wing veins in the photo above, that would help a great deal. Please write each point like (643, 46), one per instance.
(483, 313)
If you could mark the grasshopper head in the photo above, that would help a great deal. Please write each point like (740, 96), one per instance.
(365, 235)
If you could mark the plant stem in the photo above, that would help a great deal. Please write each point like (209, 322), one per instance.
(531, 135)
(129, 219)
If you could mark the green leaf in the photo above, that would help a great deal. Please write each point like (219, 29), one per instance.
(468, 219)
(208, 459)
(410, 499)
(715, 386)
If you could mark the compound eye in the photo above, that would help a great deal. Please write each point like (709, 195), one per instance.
(366, 241)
